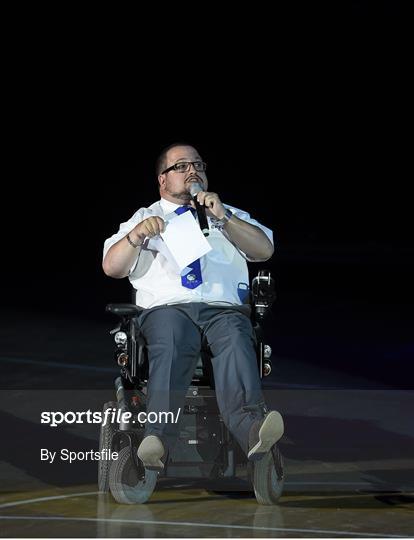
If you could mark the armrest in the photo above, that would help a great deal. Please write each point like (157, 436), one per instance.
(124, 310)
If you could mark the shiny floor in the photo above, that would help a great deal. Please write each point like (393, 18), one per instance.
(348, 448)
(178, 512)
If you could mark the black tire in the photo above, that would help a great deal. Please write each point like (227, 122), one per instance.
(267, 487)
(105, 442)
(127, 487)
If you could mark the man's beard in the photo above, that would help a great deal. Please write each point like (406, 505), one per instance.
(181, 195)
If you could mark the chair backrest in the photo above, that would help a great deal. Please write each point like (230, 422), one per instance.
(261, 297)
(263, 293)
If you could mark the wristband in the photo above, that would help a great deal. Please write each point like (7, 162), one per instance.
(133, 244)
(227, 216)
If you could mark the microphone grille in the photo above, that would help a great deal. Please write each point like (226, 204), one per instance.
(195, 188)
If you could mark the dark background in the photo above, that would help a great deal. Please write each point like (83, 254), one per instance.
(306, 126)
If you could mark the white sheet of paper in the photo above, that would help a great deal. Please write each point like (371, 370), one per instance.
(158, 244)
(184, 240)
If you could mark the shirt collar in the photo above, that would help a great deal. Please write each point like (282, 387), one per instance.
(168, 206)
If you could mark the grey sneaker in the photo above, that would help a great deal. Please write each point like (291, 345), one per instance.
(150, 452)
(264, 434)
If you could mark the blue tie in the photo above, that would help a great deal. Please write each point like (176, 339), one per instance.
(193, 279)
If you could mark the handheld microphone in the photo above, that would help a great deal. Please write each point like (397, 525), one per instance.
(201, 210)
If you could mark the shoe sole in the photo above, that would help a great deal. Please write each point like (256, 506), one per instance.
(150, 452)
(270, 432)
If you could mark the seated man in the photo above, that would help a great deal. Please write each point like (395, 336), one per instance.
(180, 311)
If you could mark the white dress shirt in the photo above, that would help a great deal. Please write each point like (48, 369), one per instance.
(224, 269)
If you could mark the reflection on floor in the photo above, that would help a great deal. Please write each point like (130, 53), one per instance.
(178, 512)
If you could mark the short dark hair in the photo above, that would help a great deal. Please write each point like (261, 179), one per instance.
(161, 163)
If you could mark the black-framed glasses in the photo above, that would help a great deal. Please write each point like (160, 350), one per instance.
(184, 166)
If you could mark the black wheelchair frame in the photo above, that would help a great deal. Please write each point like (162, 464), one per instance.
(205, 449)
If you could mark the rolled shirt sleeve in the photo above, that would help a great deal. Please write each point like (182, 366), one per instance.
(124, 229)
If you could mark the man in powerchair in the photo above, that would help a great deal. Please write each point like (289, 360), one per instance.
(204, 303)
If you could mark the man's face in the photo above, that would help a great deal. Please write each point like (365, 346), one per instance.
(175, 185)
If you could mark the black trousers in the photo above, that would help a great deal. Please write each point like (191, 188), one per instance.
(174, 334)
